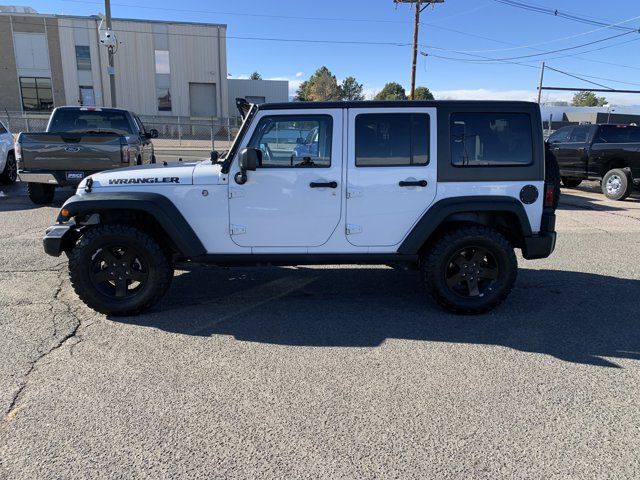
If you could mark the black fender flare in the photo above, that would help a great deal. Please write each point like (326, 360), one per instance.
(463, 208)
(158, 206)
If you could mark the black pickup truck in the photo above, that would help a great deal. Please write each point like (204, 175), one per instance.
(609, 153)
(80, 141)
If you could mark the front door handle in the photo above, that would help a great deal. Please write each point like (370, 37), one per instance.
(323, 184)
(413, 183)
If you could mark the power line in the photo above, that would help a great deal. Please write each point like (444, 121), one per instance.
(565, 15)
(371, 20)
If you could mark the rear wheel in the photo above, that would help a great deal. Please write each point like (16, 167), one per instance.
(571, 182)
(617, 184)
(117, 269)
(41, 193)
(10, 173)
(470, 270)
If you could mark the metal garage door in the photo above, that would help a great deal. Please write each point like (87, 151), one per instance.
(202, 98)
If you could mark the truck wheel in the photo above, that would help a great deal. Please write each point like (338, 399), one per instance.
(10, 173)
(120, 270)
(470, 270)
(41, 193)
(617, 184)
(571, 182)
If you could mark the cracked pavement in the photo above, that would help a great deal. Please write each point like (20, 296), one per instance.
(326, 372)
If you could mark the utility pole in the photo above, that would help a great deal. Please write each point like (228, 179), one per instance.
(111, 51)
(416, 26)
(540, 84)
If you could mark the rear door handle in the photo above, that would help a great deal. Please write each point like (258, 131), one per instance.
(323, 184)
(413, 183)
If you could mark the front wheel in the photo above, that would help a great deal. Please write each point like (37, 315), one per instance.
(617, 184)
(117, 269)
(470, 270)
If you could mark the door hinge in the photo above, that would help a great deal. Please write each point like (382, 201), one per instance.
(238, 229)
(236, 193)
(353, 229)
(353, 192)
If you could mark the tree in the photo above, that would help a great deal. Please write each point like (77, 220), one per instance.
(350, 89)
(255, 76)
(423, 93)
(321, 86)
(391, 91)
(588, 99)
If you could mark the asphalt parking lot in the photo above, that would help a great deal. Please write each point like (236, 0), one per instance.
(321, 372)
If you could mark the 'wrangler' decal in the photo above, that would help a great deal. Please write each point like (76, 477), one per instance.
(122, 181)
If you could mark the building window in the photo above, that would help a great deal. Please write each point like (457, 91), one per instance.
(36, 93)
(83, 57)
(162, 61)
(163, 80)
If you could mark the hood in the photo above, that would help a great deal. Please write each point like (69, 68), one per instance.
(176, 173)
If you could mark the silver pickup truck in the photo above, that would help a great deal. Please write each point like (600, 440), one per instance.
(80, 141)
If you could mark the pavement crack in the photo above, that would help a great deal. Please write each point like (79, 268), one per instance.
(16, 405)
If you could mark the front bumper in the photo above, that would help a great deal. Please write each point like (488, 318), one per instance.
(59, 238)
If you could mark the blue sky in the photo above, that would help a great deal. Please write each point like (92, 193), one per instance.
(462, 29)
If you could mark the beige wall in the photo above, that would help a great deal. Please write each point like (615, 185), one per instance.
(10, 91)
(55, 61)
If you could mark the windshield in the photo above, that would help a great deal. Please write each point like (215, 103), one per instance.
(92, 121)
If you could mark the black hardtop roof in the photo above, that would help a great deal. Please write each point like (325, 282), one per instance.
(101, 109)
(399, 104)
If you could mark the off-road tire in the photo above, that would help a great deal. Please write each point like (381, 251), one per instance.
(571, 182)
(623, 175)
(41, 193)
(552, 175)
(437, 260)
(10, 173)
(157, 261)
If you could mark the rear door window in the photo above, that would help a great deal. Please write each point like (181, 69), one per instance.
(579, 134)
(491, 139)
(392, 139)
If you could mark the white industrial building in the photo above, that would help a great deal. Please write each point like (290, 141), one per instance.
(161, 67)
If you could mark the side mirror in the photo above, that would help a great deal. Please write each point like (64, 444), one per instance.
(250, 158)
(153, 133)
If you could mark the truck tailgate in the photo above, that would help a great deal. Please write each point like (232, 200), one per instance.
(62, 151)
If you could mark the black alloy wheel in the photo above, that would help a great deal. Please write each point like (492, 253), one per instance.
(118, 271)
(471, 272)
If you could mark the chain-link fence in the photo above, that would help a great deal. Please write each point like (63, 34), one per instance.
(175, 134)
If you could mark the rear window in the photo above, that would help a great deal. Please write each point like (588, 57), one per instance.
(491, 139)
(618, 134)
(90, 121)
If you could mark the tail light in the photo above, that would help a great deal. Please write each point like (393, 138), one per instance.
(549, 194)
(126, 154)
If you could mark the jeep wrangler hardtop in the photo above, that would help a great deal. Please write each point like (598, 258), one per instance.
(450, 188)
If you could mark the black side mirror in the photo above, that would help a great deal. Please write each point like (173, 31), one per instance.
(153, 133)
(250, 158)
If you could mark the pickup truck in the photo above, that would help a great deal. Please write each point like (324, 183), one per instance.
(78, 142)
(609, 153)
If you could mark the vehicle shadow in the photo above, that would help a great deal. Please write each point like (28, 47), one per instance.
(570, 201)
(577, 317)
(15, 198)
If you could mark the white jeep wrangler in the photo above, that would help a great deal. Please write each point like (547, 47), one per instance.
(450, 188)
